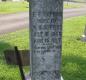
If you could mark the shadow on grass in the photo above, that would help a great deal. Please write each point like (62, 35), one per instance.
(7, 72)
(3, 47)
(74, 67)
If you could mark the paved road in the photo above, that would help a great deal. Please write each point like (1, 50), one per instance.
(13, 22)
(74, 12)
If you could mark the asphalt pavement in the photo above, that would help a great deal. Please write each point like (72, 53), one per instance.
(13, 22)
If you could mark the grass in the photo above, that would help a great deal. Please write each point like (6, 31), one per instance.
(13, 7)
(73, 57)
(74, 52)
(8, 41)
(73, 5)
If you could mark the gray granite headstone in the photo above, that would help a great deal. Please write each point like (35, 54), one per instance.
(46, 39)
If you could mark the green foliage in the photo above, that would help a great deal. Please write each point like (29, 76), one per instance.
(73, 5)
(13, 7)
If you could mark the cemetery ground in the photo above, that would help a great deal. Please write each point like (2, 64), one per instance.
(13, 7)
(73, 5)
(73, 59)
(73, 52)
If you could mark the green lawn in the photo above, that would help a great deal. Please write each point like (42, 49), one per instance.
(74, 52)
(73, 5)
(73, 57)
(11, 72)
(13, 7)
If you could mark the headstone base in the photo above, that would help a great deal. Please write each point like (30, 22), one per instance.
(28, 77)
(83, 38)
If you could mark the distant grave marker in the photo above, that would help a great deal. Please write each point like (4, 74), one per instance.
(46, 39)
(83, 37)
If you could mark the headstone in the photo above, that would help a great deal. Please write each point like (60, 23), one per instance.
(46, 39)
(83, 37)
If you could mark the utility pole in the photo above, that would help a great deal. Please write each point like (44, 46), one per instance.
(46, 39)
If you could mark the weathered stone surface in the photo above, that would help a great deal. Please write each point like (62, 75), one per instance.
(46, 39)
(10, 57)
(28, 77)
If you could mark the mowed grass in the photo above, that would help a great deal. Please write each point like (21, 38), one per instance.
(73, 5)
(73, 57)
(13, 7)
(74, 52)
(8, 41)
